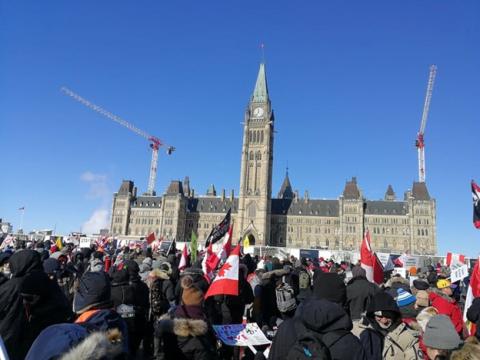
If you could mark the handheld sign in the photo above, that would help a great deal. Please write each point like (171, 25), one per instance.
(241, 334)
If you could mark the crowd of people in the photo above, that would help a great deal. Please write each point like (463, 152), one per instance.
(104, 302)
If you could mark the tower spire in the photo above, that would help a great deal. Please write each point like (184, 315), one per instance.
(260, 93)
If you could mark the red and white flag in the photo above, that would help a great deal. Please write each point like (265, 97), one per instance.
(472, 293)
(370, 262)
(453, 259)
(216, 253)
(184, 259)
(226, 281)
(150, 238)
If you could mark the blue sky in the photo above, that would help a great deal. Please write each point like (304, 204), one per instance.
(347, 81)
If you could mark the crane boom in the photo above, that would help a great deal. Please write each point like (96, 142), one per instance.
(420, 142)
(428, 98)
(155, 142)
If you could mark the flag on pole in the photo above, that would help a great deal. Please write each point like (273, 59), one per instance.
(370, 262)
(219, 230)
(476, 204)
(453, 259)
(150, 238)
(246, 242)
(193, 247)
(223, 252)
(472, 293)
(184, 259)
(226, 281)
(59, 243)
(207, 270)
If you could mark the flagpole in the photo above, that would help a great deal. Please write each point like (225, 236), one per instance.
(22, 213)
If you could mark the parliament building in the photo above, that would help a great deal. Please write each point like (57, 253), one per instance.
(287, 220)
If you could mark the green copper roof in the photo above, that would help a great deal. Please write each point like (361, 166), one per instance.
(260, 94)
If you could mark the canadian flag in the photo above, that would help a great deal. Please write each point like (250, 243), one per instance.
(150, 238)
(184, 259)
(370, 262)
(472, 293)
(453, 259)
(226, 281)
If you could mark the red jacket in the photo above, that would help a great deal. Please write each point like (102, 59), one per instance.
(448, 306)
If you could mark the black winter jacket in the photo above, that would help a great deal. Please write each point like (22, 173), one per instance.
(321, 317)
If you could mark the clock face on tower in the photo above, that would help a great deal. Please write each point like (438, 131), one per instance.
(258, 112)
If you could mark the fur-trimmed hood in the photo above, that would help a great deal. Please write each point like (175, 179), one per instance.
(397, 280)
(276, 273)
(98, 345)
(182, 326)
(158, 274)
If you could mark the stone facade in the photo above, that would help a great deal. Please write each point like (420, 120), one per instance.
(288, 220)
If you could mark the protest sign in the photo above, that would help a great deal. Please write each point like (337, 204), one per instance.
(241, 334)
(458, 273)
(84, 242)
(401, 271)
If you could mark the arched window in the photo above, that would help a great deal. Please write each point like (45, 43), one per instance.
(261, 137)
(250, 136)
(251, 155)
(254, 136)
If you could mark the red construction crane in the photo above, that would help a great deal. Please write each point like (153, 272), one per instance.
(155, 143)
(420, 143)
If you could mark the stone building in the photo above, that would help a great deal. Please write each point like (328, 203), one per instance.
(289, 220)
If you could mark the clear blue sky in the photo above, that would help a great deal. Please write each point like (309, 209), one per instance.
(347, 81)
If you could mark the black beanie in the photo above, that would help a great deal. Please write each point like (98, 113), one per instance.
(382, 301)
(329, 286)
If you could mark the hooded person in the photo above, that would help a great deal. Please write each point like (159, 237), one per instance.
(93, 305)
(162, 291)
(25, 302)
(384, 335)
(185, 333)
(321, 319)
(359, 292)
(473, 315)
(329, 286)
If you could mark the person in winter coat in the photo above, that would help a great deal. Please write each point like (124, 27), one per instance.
(384, 335)
(29, 302)
(184, 333)
(398, 282)
(440, 299)
(93, 305)
(359, 292)
(320, 318)
(162, 292)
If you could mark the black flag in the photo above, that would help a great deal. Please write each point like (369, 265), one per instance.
(219, 231)
(476, 204)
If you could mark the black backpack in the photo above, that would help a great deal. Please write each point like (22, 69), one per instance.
(312, 345)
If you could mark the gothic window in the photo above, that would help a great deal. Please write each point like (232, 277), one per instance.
(251, 210)
(258, 156)
(261, 137)
(251, 155)
(250, 136)
(255, 137)
(426, 232)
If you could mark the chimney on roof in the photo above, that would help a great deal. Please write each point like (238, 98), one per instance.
(306, 196)
(296, 196)
(232, 195)
(134, 191)
(223, 194)
(193, 193)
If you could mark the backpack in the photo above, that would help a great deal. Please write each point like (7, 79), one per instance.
(285, 297)
(303, 280)
(308, 345)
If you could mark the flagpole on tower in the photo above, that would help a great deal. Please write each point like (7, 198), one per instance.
(22, 213)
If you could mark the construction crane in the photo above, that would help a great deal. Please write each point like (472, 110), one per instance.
(155, 143)
(420, 142)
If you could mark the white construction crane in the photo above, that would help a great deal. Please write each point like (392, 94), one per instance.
(420, 143)
(155, 142)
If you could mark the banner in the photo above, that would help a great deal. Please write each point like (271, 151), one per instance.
(241, 334)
